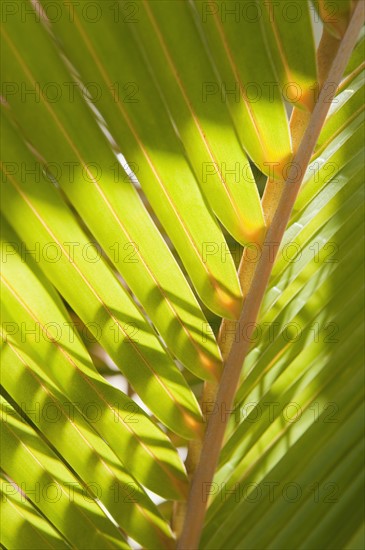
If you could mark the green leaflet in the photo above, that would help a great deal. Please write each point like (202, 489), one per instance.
(322, 458)
(282, 327)
(271, 427)
(321, 242)
(339, 476)
(51, 487)
(357, 57)
(356, 541)
(287, 322)
(80, 159)
(348, 105)
(345, 149)
(249, 80)
(300, 393)
(148, 142)
(336, 198)
(203, 120)
(292, 452)
(288, 30)
(38, 326)
(22, 525)
(94, 293)
(84, 451)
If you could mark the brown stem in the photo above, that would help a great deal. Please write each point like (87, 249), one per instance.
(216, 426)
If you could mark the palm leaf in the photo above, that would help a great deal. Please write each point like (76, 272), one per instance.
(23, 526)
(301, 394)
(30, 303)
(188, 232)
(129, 342)
(138, 140)
(127, 233)
(78, 520)
(94, 463)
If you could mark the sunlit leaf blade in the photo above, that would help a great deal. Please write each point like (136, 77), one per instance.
(109, 311)
(348, 107)
(202, 118)
(322, 459)
(343, 189)
(341, 161)
(94, 462)
(288, 30)
(285, 322)
(78, 156)
(38, 326)
(104, 84)
(357, 57)
(248, 78)
(293, 451)
(51, 487)
(293, 402)
(22, 525)
(332, 177)
(357, 540)
(148, 141)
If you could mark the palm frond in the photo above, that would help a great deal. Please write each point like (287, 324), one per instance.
(137, 140)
